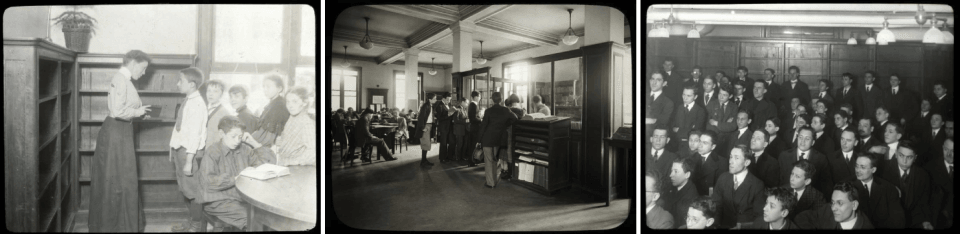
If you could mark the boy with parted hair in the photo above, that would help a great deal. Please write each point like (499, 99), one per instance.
(238, 100)
(213, 91)
(778, 204)
(187, 143)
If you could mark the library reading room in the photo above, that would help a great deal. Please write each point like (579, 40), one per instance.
(480, 118)
(160, 118)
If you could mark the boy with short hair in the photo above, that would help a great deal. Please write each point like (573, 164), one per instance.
(779, 203)
(212, 91)
(186, 145)
(222, 163)
(238, 100)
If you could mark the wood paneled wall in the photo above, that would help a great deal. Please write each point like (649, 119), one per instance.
(918, 65)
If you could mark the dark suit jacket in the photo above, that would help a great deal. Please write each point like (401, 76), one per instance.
(919, 125)
(761, 109)
(827, 96)
(944, 105)
(732, 140)
(903, 104)
(701, 98)
(810, 200)
(871, 100)
(882, 204)
(726, 118)
(801, 90)
(707, 172)
(773, 94)
(679, 201)
(493, 128)
(822, 219)
(822, 180)
(941, 197)
(684, 151)
(878, 129)
(842, 170)
(837, 133)
(361, 132)
(767, 169)
(473, 113)
(425, 110)
(444, 120)
(698, 84)
(933, 143)
(852, 97)
(824, 143)
(674, 87)
(660, 109)
(914, 195)
(662, 165)
(658, 218)
(741, 205)
(775, 147)
(865, 147)
(759, 224)
(688, 120)
(747, 85)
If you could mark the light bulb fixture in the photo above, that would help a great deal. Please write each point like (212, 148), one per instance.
(671, 19)
(570, 37)
(921, 16)
(851, 41)
(870, 39)
(433, 71)
(480, 59)
(344, 63)
(693, 32)
(365, 42)
(885, 34)
(933, 35)
(947, 36)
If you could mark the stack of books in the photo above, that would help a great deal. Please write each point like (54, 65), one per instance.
(538, 117)
(533, 171)
(529, 147)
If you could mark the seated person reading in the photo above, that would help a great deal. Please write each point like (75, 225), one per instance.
(220, 167)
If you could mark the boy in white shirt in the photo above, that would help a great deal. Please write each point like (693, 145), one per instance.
(186, 146)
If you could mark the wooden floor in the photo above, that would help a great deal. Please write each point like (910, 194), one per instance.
(157, 220)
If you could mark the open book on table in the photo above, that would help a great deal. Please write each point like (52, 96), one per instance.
(265, 171)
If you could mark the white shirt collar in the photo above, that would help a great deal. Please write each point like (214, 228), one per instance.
(805, 154)
(706, 155)
(847, 155)
(194, 94)
(758, 154)
(657, 94)
(772, 137)
(819, 134)
(902, 171)
(794, 81)
(681, 186)
(870, 86)
(744, 129)
(654, 152)
(804, 188)
(941, 97)
(896, 87)
(947, 165)
(126, 72)
(649, 208)
(740, 176)
(893, 149)
(844, 127)
(688, 106)
(867, 139)
(924, 113)
(869, 183)
(849, 223)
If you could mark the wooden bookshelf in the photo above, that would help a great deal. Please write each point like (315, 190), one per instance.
(157, 86)
(556, 135)
(39, 140)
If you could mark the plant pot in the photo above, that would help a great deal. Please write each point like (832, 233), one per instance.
(77, 39)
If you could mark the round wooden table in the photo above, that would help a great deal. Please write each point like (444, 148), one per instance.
(286, 203)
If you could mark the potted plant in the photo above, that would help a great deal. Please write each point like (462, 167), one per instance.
(78, 28)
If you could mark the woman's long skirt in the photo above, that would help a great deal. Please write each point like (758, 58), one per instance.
(115, 204)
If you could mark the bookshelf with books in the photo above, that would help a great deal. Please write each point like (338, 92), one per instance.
(39, 135)
(158, 86)
(540, 154)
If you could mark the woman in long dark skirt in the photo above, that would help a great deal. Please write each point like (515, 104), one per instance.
(115, 204)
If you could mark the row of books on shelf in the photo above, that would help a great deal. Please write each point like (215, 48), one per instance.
(529, 147)
(522, 152)
(99, 78)
(530, 139)
(533, 173)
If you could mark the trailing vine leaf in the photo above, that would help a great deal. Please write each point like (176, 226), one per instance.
(77, 20)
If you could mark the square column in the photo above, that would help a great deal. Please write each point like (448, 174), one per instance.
(411, 58)
(602, 24)
(462, 45)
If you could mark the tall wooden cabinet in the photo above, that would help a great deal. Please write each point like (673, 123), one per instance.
(40, 136)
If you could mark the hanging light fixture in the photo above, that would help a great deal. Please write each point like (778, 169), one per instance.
(851, 41)
(885, 36)
(870, 39)
(344, 63)
(933, 35)
(671, 19)
(433, 71)
(693, 32)
(921, 15)
(365, 42)
(480, 58)
(947, 36)
(662, 31)
(570, 37)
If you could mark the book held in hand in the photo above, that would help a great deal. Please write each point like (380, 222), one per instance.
(265, 171)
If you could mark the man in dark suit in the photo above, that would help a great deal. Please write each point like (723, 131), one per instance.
(692, 146)
(823, 142)
(801, 121)
(444, 128)
(848, 94)
(695, 79)
(363, 136)
(940, 169)
(822, 107)
(793, 87)
(788, 117)
(722, 114)
(709, 163)
(742, 135)
(913, 183)
(935, 136)
(683, 191)
(674, 85)
(901, 101)
(942, 102)
(747, 81)
(759, 107)
(493, 135)
(824, 85)
(920, 123)
(821, 181)
(688, 116)
(882, 202)
(882, 118)
(739, 91)
(865, 128)
(842, 120)
(892, 134)
(659, 106)
(844, 161)
(739, 192)
(425, 122)
(708, 91)
(656, 156)
(776, 143)
(657, 217)
(871, 95)
(847, 214)
(780, 203)
(767, 167)
(808, 197)
(473, 114)
(773, 89)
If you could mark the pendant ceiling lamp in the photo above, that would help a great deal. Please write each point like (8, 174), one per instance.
(852, 40)
(870, 39)
(570, 37)
(693, 32)
(885, 36)
(365, 42)
(433, 71)
(947, 36)
(933, 35)
(480, 59)
(921, 15)
(344, 63)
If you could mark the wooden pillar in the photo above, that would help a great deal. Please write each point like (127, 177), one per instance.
(205, 26)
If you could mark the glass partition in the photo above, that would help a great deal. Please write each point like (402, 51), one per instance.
(568, 87)
(541, 83)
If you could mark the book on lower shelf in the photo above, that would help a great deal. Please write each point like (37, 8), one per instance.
(265, 171)
(530, 139)
(530, 147)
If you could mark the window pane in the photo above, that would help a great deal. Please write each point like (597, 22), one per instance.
(335, 102)
(569, 88)
(239, 27)
(349, 83)
(307, 77)
(335, 83)
(349, 102)
(254, 84)
(350, 72)
(540, 80)
(350, 93)
(335, 93)
(308, 23)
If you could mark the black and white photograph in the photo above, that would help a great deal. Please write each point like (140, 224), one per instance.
(798, 116)
(160, 118)
(486, 118)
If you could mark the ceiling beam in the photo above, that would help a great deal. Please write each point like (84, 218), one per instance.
(789, 18)
(815, 7)
(477, 13)
(428, 35)
(336, 58)
(389, 56)
(501, 28)
(437, 14)
(347, 35)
